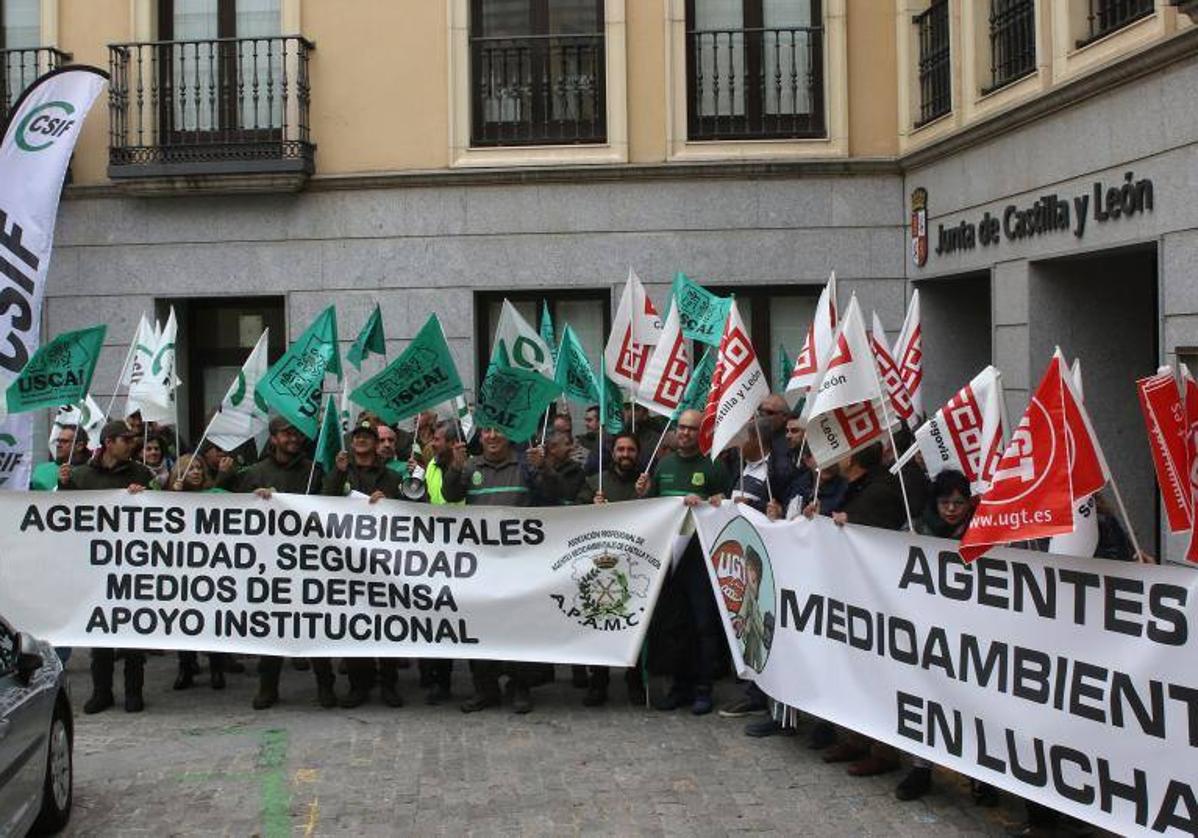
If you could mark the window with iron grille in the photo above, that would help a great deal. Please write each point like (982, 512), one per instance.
(537, 70)
(1105, 16)
(20, 39)
(935, 66)
(754, 69)
(1012, 41)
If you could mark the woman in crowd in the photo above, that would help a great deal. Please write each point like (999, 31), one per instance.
(153, 455)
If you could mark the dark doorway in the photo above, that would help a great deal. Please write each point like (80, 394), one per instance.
(956, 321)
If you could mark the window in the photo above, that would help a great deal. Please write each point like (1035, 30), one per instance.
(935, 68)
(537, 70)
(1105, 16)
(20, 37)
(776, 318)
(1012, 41)
(588, 312)
(754, 69)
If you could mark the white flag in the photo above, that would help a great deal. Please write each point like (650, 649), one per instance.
(465, 417)
(967, 434)
(141, 353)
(87, 415)
(900, 399)
(738, 387)
(818, 342)
(844, 411)
(523, 344)
(242, 414)
(635, 330)
(154, 392)
(36, 148)
(669, 368)
(908, 355)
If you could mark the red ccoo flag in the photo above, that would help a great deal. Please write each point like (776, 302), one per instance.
(1191, 424)
(1160, 402)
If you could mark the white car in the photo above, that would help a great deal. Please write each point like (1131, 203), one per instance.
(36, 736)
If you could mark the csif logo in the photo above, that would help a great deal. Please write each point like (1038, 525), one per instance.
(43, 125)
(10, 459)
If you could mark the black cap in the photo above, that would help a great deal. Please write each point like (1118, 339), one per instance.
(365, 427)
(115, 428)
(279, 424)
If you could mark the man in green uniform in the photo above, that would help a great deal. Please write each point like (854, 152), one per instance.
(70, 449)
(112, 468)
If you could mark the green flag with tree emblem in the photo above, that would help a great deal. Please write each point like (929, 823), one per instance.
(785, 364)
(512, 399)
(573, 372)
(60, 372)
(694, 397)
(371, 340)
(422, 377)
(703, 314)
(328, 441)
(293, 385)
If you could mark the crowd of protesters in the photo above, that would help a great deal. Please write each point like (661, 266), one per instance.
(771, 470)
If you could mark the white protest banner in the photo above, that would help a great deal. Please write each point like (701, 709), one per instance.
(1067, 681)
(306, 576)
(36, 148)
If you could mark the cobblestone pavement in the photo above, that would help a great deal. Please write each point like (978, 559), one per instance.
(201, 762)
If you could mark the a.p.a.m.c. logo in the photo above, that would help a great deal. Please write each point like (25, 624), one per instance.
(44, 124)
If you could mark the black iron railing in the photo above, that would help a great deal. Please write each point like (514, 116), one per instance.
(1012, 41)
(538, 90)
(935, 66)
(237, 105)
(755, 83)
(20, 67)
(1105, 16)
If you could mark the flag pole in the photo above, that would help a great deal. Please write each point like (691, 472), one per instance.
(761, 444)
(885, 396)
(120, 377)
(312, 470)
(656, 448)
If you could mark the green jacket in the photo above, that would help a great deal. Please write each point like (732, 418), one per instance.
(94, 475)
(616, 486)
(364, 479)
(267, 473)
(698, 475)
(483, 483)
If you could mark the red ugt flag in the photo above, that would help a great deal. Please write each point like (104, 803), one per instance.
(1031, 495)
(1160, 402)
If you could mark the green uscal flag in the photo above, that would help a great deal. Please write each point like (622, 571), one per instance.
(293, 385)
(59, 373)
(328, 441)
(371, 340)
(547, 328)
(702, 313)
(785, 365)
(512, 399)
(422, 377)
(573, 371)
(699, 387)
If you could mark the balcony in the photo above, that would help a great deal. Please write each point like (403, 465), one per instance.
(935, 67)
(19, 68)
(1012, 42)
(1105, 16)
(226, 114)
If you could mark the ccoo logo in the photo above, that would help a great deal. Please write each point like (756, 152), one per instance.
(43, 125)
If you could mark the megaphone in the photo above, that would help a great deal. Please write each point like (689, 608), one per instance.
(412, 486)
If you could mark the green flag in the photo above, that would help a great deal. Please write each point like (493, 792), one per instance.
(702, 313)
(785, 365)
(699, 387)
(573, 371)
(512, 399)
(370, 340)
(328, 441)
(60, 372)
(423, 376)
(547, 328)
(611, 404)
(292, 386)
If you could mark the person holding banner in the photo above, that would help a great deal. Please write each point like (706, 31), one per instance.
(112, 467)
(362, 471)
(494, 478)
(687, 473)
(556, 476)
(436, 674)
(622, 480)
(285, 469)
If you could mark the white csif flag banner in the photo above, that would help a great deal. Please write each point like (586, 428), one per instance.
(34, 153)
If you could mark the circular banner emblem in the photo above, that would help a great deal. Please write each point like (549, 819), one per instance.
(746, 581)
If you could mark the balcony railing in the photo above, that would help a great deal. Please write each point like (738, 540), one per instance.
(1012, 41)
(220, 106)
(755, 83)
(935, 68)
(538, 90)
(19, 68)
(1105, 16)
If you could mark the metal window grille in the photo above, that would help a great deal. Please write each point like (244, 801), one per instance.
(20, 67)
(1105, 16)
(935, 68)
(241, 103)
(1012, 41)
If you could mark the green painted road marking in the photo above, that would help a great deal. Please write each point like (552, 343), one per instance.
(276, 797)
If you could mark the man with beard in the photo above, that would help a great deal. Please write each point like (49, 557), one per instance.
(556, 475)
(622, 481)
(361, 470)
(285, 469)
(113, 467)
(493, 478)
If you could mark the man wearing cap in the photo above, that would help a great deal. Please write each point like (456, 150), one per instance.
(112, 467)
(286, 469)
(494, 478)
(361, 470)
